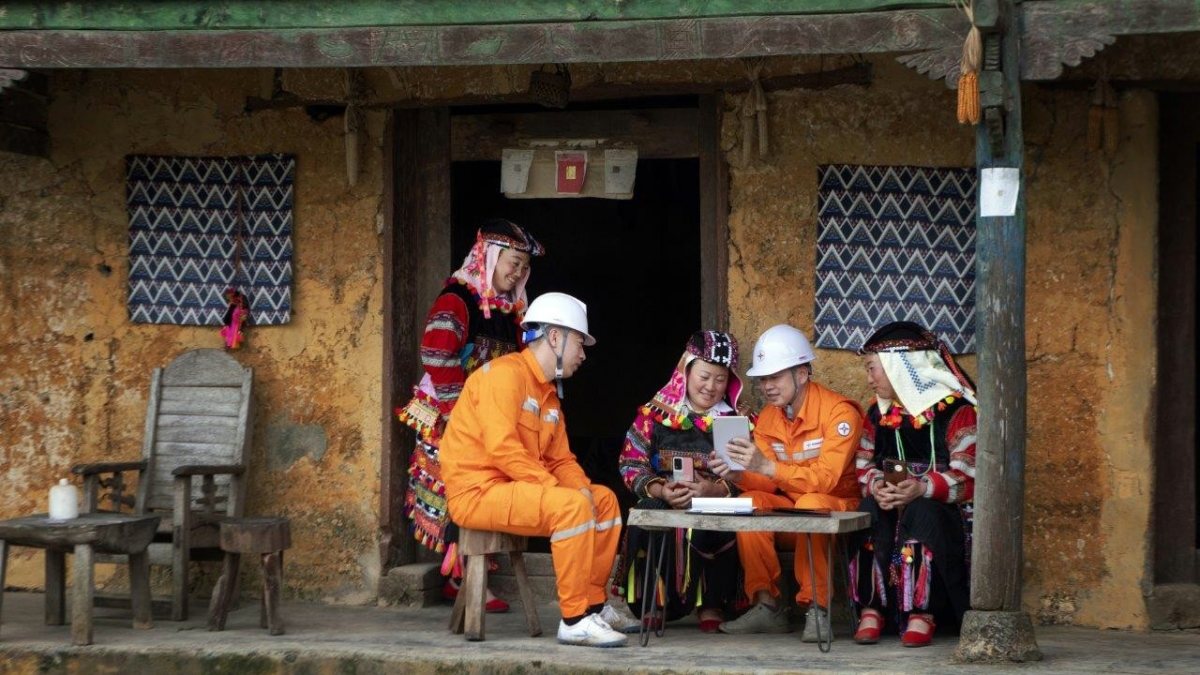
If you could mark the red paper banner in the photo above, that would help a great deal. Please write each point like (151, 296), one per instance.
(571, 171)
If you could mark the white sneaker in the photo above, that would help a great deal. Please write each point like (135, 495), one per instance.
(590, 631)
(619, 621)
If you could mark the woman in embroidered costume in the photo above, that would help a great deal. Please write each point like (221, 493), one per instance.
(475, 319)
(916, 465)
(677, 422)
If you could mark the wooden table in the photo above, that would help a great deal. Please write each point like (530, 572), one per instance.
(658, 522)
(84, 536)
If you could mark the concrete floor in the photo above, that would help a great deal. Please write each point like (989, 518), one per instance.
(369, 640)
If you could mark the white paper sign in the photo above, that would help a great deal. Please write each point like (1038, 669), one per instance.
(722, 505)
(620, 169)
(514, 170)
(998, 188)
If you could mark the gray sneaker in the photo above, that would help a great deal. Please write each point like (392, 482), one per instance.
(759, 619)
(816, 618)
(620, 621)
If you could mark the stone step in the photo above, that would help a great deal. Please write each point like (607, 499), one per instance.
(414, 585)
(540, 569)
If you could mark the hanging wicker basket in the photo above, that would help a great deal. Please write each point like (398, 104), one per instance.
(551, 89)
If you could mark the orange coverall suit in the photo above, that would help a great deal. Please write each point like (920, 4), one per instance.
(508, 468)
(814, 469)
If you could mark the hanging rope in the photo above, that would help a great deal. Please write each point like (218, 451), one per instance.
(969, 111)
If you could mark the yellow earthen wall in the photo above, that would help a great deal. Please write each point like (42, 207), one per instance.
(74, 370)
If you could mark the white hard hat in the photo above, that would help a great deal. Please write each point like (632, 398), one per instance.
(559, 309)
(779, 348)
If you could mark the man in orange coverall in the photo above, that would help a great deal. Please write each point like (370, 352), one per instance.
(507, 466)
(806, 438)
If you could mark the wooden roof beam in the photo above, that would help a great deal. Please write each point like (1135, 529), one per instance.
(205, 15)
(594, 42)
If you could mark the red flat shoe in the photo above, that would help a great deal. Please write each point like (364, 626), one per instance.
(493, 606)
(919, 632)
(710, 620)
(870, 626)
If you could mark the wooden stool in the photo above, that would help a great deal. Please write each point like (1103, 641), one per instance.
(474, 546)
(268, 537)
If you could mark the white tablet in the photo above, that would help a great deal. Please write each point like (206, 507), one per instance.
(726, 429)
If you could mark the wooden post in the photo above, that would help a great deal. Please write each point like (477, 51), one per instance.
(393, 547)
(714, 213)
(996, 629)
(417, 259)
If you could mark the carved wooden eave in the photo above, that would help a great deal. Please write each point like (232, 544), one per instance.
(1058, 33)
(1054, 33)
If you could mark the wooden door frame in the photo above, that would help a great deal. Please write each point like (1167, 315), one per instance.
(416, 204)
(1174, 601)
(416, 242)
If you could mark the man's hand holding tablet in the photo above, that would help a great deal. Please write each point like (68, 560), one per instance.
(725, 429)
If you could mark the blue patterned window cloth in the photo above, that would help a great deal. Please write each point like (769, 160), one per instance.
(895, 243)
(199, 225)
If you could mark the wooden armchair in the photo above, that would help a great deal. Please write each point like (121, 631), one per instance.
(193, 466)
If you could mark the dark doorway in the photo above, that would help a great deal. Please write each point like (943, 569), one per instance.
(1177, 465)
(636, 263)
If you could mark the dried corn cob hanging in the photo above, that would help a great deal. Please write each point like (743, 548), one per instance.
(1111, 120)
(968, 80)
(754, 112)
(1103, 130)
(352, 123)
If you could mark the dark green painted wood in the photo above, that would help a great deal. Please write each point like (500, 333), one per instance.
(1000, 342)
(473, 32)
(199, 15)
(478, 45)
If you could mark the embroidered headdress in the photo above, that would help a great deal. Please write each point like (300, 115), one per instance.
(671, 402)
(480, 264)
(918, 365)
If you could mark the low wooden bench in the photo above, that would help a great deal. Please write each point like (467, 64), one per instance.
(469, 612)
(268, 537)
(661, 521)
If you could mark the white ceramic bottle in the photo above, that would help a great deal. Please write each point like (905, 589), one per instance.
(64, 503)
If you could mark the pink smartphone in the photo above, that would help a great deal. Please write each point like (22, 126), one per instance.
(683, 470)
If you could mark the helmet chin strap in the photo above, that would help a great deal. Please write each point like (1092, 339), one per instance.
(558, 361)
(791, 412)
